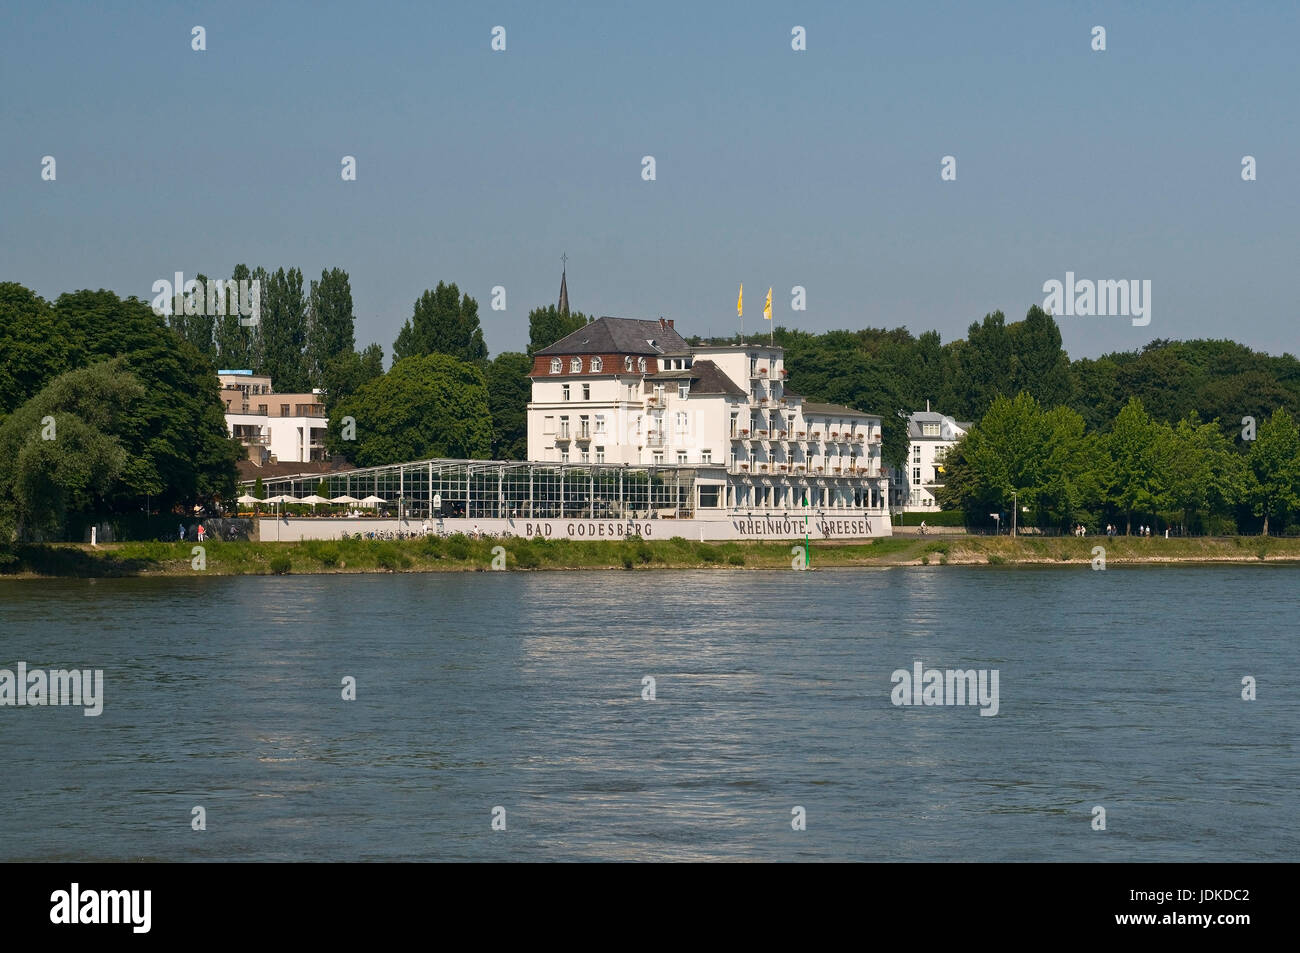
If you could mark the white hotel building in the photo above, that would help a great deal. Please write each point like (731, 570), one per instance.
(275, 428)
(930, 436)
(633, 392)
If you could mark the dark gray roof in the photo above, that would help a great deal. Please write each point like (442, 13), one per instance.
(705, 377)
(932, 417)
(838, 410)
(608, 335)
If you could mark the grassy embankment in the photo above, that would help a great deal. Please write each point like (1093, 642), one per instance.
(460, 554)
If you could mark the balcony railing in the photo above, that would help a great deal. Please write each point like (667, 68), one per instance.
(654, 439)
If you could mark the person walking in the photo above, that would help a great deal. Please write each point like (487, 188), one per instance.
(180, 532)
(202, 531)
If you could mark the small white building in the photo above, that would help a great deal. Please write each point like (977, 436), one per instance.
(276, 428)
(930, 436)
(629, 391)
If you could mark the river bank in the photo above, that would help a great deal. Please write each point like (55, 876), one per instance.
(461, 554)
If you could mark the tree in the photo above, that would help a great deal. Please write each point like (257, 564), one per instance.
(1273, 468)
(509, 390)
(63, 451)
(1038, 364)
(443, 322)
(284, 330)
(34, 345)
(236, 340)
(548, 325)
(1132, 447)
(426, 406)
(345, 374)
(179, 450)
(331, 322)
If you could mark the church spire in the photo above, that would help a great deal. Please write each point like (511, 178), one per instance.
(564, 286)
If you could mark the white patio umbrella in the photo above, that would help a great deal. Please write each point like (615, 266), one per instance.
(249, 498)
(372, 500)
(313, 499)
(345, 499)
(283, 498)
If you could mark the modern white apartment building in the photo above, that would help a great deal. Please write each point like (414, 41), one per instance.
(930, 436)
(633, 392)
(276, 428)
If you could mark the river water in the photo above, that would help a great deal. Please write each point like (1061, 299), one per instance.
(524, 691)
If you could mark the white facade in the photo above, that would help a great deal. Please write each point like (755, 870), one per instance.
(724, 411)
(931, 435)
(283, 428)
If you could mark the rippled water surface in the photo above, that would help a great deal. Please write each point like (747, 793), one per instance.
(524, 691)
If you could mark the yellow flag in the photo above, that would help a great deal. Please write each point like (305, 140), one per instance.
(740, 302)
(767, 308)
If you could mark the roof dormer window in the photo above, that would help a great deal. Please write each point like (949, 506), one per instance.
(575, 365)
(627, 364)
(556, 365)
(597, 365)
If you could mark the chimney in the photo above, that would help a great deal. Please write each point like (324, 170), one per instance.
(670, 322)
(662, 323)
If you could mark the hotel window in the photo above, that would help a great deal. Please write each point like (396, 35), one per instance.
(640, 365)
(284, 410)
(564, 426)
(575, 365)
(681, 458)
(586, 457)
(600, 454)
(709, 496)
(659, 393)
(584, 426)
(683, 388)
(916, 453)
(596, 365)
(753, 365)
(600, 423)
(261, 409)
(627, 364)
(556, 365)
(566, 391)
(916, 476)
(659, 457)
(706, 456)
(564, 456)
(733, 424)
(930, 430)
(586, 392)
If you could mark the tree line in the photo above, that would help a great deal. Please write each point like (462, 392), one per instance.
(1186, 475)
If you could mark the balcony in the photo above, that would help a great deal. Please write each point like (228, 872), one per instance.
(654, 402)
(584, 436)
(255, 440)
(562, 436)
(815, 436)
(740, 435)
(656, 439)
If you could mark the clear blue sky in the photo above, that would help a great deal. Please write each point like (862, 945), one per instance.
(816, 168)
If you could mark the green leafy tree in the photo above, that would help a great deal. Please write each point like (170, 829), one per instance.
(548, 325)
(1039, 366)
(63, 452)
(284, 330)
(509, 390)
(427, 406)
(235, 340)
(1273, 468)
(331, 322)
(34, 345)
(444, 322)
